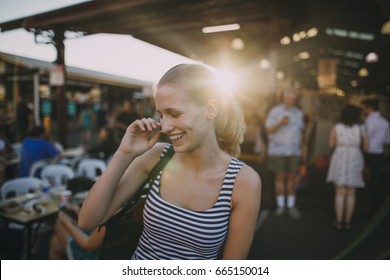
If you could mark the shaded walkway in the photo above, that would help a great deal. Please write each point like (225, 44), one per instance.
(313, 237)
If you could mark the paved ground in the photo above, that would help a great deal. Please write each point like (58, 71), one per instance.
(313, 237)
(310, 238)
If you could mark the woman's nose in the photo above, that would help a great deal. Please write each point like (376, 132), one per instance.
(166, 125)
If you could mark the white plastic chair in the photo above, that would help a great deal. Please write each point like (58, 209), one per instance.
(38, 166)
(57, 174)
(20, 186)
(91, 167)
(74, 162)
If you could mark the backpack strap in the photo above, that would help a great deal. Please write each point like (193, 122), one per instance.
(160, 164)
(147, 184)
(168, 152)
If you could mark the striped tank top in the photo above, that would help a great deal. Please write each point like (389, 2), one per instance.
(172, 232)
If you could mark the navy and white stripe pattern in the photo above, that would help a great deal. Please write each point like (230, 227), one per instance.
(172, 232)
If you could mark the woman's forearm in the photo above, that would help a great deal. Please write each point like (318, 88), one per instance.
(101, 201)
(122, 177)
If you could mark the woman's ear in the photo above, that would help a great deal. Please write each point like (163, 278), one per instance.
(212, 109)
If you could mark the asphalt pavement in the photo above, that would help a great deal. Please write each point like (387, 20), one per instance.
(312, 237)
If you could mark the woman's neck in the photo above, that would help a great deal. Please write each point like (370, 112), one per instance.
(204, 157)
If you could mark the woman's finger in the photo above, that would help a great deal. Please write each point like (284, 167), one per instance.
(148, 124)
(154, 138)
(155, 124)
(138, 124)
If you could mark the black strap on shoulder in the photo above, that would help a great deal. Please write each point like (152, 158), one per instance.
(147, 184)
(161, 164)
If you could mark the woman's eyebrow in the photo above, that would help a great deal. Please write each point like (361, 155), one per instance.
(168, 110)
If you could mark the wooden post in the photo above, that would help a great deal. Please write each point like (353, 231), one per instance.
(60, 89)
(37, 116)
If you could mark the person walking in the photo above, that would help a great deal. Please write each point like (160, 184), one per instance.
(377, 129)
(205, 203)
(347, 138)
(285, 127)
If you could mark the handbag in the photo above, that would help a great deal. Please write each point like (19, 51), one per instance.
(124, 228)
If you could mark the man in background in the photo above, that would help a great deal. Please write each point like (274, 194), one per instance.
(123, 119)
(377, 129)
(285, 127)
(24, 116)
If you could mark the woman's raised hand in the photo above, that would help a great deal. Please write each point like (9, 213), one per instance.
(140, 136)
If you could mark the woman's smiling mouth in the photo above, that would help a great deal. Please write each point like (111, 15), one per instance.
(176, 136)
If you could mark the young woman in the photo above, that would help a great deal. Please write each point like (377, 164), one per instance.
(70, 242)
(206, 202)
(346, 164)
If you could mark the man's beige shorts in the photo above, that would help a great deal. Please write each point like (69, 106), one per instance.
(283, 163)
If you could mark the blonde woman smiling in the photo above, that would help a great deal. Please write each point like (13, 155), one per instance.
(206, 202)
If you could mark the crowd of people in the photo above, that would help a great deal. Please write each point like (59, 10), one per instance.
(100, 127)
(355, 145)
(359, 139)
(206, 131)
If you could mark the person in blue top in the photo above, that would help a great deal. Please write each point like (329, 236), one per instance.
(35, 147)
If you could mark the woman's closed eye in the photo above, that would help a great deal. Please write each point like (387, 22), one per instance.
(171, 113)
(176, 115)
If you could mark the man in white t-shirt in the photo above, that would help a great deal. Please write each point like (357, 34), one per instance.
(377, 129)
(284, 125)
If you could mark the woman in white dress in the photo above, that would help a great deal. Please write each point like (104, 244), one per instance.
(347, 138)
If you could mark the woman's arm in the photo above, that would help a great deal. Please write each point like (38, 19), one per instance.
(246, 200)
(86, 242)
(127, 169)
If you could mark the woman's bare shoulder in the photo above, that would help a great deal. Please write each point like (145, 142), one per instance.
(248, 179)
(247, 173)
(247, 187)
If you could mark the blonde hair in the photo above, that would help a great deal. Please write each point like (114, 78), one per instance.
(201, 85)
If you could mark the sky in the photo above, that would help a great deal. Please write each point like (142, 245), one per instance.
(115, 54)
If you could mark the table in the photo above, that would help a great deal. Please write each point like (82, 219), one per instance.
(26, 216)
